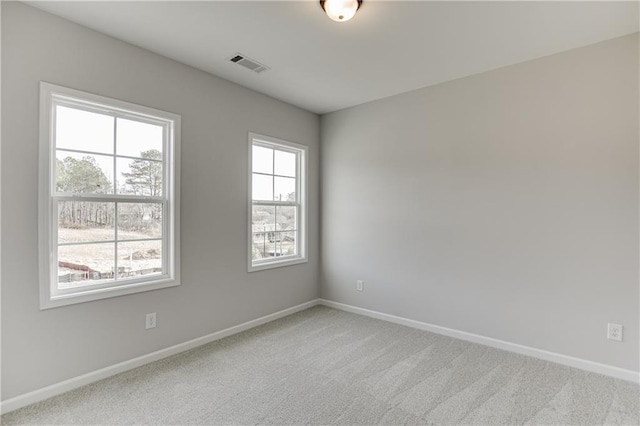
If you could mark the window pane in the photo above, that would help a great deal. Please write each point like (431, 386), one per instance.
(139, 258)
(262, 221)
(262, 215)
(277, 245)
(140, 177)
(139, 221)
(137, 139)
(262, 159)
(263, 225)
(270, 248)
(85, 263)
(285, 218)
(281, 244)
(257, 249)
(288, 243)
(83, 130)
(285, 189)
(84, 173)
(84, 221)
(285, 163)
(262, 187)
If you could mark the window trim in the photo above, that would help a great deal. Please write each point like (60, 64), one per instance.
(50, 295)
(301, 188)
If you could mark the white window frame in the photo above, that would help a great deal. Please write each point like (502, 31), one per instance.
(301, 202)
(50, 295)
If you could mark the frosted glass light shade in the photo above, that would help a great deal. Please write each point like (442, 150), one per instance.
(340, 10)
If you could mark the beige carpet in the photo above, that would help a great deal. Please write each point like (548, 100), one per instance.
(324, 366)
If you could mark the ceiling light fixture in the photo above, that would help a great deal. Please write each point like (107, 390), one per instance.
(340, 10)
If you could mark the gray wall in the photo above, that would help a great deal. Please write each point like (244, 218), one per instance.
(503, 204)
(44, 347)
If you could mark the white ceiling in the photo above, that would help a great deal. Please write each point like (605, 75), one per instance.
(388, 48)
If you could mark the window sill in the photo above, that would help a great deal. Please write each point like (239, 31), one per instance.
(88, 294)
(276, 264)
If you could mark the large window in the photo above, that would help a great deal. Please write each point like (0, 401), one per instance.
(108, 197)
(277, 217)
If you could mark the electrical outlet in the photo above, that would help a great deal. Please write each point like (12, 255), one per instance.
(360, 285)
(151, 321)
(614, 332)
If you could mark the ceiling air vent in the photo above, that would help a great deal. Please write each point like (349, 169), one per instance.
(248, 63)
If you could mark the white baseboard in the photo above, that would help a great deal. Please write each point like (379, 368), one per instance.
(583, 364)
(85, 379)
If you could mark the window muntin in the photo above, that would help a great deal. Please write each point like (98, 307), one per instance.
(108, 201)
(277, 219)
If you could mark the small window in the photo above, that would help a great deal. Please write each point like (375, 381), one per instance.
(277, 216)
(108, 197)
